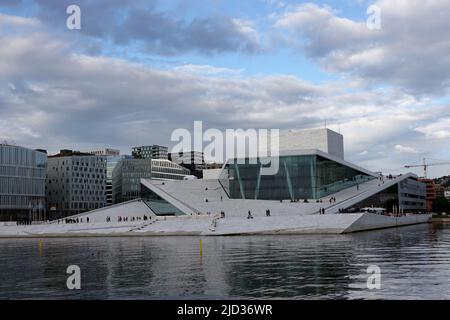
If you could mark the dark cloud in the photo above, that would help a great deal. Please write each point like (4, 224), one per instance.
(155, 31)
(51, 98)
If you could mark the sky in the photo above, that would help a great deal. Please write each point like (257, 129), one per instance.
(138, 70)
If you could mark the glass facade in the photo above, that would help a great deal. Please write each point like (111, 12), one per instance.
(387, 199)
(158, 205)
(111, 162)
(150, 152)
(408, 196)
(22, 183)
(127, 175)
(298, 177)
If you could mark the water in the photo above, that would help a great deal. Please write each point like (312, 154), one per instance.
(414, 261)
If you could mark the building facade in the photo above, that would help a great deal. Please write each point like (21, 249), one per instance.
(111, 162)
(322, 139)
(304, 175)
(127, 175)
(430, 193)
(76, 182)
(313, 174)
(150, 152)
(190, 157)
(194, 161)
(22, 183)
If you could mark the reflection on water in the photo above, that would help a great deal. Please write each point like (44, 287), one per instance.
(415, 263)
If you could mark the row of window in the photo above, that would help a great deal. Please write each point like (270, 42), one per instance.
(76, 192)
(21, 201)
(8, 170)
(75, 169)
(10, 185)
(76, 205)
(19, 156)
(84, 181)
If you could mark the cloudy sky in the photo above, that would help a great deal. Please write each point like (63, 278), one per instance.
(138, 70)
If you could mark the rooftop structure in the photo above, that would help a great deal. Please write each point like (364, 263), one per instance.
(150, 152)
(105, 152)
(325, 140)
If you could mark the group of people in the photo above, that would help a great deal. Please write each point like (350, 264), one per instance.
(23, 222)
(74, 220)
(321, 210)
(126, 219)
(332, 199)
(250, 216)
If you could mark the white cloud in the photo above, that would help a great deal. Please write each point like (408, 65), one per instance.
(15, 21)
(436, 130)
(207, 70)
(408, 52)
(405, 149)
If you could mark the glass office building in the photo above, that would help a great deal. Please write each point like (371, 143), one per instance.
(127, 175)
(309, 176)
(76, 182)
(22, 183)
(150, 152)
(111, 162)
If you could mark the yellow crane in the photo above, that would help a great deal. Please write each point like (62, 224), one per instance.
(426, 164)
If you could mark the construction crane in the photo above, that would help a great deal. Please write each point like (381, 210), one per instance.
(425, 166)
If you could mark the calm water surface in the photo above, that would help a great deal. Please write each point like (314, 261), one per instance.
(415, 263)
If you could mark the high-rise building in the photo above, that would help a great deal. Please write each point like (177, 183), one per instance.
(76, 182)
(22, 183)
(150, 152)
(128, 173)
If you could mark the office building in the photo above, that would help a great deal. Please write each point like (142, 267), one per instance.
(22, 183)
(150, 152)
(430, 193)
(76, 182)
(111, 162)
(128, 173)
(192, 160)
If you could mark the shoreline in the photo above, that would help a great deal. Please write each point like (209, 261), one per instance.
(209, 226)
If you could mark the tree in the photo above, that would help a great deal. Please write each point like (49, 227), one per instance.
(441, 204)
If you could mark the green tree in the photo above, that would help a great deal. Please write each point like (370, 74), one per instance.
(441, 204)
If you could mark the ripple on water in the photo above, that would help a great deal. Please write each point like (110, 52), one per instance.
(414, 263)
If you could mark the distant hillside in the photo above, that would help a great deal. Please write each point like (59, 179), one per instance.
(444, 181)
